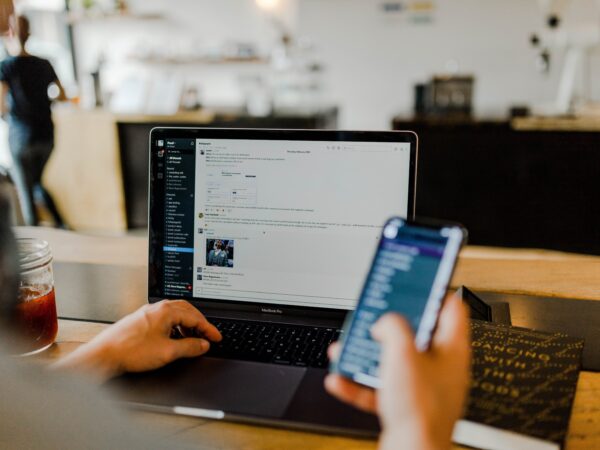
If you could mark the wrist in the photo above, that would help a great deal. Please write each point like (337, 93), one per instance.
(102, 359)
(95, 359)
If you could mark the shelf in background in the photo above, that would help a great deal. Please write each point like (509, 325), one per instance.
(206, 60)
(75, 17)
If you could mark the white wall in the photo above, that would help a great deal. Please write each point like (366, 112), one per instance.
(371, 60)
(185, 24)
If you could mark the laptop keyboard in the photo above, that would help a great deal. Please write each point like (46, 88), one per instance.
(273, 342)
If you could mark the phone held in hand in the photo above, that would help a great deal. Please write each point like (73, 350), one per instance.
(409, 275)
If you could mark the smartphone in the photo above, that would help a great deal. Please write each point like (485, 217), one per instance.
(412, 267)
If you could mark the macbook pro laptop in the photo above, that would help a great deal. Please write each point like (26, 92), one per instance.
(270, 234)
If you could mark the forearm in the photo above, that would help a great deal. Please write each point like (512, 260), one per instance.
(62, 96)
(3, 95)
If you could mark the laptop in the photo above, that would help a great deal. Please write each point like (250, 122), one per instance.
(270, 234)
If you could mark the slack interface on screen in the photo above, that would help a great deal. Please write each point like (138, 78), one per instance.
(178, 159)
(283, 222)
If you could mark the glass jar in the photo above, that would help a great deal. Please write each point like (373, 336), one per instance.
(35, 318)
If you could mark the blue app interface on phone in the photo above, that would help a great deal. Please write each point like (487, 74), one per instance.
(401, 279)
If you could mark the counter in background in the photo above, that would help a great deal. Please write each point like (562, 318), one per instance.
(530, 183)
(537, 273)
(133, 138)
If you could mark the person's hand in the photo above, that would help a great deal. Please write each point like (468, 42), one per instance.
(422, 393)
(142, 341)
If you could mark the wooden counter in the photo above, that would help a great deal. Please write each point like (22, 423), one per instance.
(534, 272)
(518, 271)
(570, 124)
(530, 123)
(84, 174)
(527, 183)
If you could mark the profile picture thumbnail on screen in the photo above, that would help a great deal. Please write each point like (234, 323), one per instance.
(219, 252)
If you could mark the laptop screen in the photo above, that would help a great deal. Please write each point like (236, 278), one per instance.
(271, 221)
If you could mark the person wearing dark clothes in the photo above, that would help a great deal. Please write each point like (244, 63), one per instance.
(24, 83)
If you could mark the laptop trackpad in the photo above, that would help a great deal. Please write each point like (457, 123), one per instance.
(245, 387)
(235, 387)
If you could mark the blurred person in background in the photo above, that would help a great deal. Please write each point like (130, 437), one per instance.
(24, 101)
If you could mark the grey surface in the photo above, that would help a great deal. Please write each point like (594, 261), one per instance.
(99, 292)
(577, 318)
(46, 409)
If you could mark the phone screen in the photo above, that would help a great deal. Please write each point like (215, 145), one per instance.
(409, 275)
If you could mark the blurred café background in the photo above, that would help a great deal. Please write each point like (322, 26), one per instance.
(502, 93)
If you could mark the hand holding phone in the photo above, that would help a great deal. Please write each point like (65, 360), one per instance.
(422, 393)
(409, 275)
